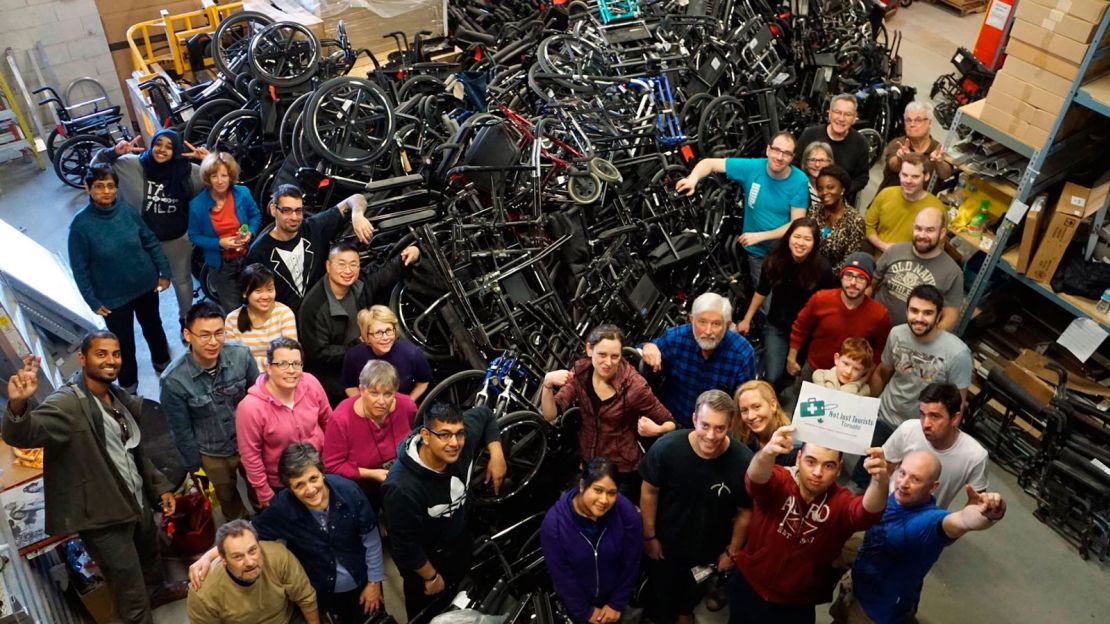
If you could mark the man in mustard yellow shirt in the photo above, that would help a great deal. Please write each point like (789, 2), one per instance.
(889, 219)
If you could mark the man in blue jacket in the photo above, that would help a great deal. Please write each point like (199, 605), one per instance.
(425, 500)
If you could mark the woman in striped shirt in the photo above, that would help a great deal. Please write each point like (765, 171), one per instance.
(262, 318)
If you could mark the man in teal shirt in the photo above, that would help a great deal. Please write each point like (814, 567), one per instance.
(775, 193)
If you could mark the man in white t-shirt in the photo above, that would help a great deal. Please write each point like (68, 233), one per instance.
(963, 460)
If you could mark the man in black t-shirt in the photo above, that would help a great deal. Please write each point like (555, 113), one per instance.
(694, 505)
(296, 248)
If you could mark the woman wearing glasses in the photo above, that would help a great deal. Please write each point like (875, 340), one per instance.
(381, 341)
(262, 318)
(816, 157)
(362, 438)
(918, 139)
(284, 405)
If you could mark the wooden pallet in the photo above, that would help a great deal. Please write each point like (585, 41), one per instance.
(966, 7)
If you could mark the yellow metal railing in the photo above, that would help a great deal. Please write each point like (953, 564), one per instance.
(146, 50)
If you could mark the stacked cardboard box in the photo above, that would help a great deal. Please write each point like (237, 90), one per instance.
(1076, 204)
(1048, 42)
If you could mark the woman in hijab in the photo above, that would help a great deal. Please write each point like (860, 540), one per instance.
(159, 181)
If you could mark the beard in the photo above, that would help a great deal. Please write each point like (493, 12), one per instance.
(707, 344)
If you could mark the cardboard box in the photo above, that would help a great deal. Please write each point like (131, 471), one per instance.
(99, 603)
(1019, 109)
(1047, 40)
(1018, 129)
(1031, 233)
(1086, 10)
(1031, 74)
(1029, 382)
(1046, 60)
(1047, 101)
(1056, 21)
(1076, 203)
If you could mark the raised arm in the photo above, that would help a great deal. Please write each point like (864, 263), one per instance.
(983, 510)
(704, 167)
(763, 462)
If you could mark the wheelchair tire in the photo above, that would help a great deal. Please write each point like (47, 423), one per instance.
(349, 121)
(723, 129)
(458, 389)
(73, 156)
(199, 126)
(284, 54)
(584, 188)
(524, 440)
(875, 144)
(52, 142)
(239, 133)
(232, 38)
(427, 331)
(605, 170)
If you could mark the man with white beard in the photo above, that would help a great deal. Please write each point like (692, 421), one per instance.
(704, 354)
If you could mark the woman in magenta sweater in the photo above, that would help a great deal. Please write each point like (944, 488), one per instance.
(284, 405)
(361, 441)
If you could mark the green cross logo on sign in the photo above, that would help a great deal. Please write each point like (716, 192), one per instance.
(812, 408)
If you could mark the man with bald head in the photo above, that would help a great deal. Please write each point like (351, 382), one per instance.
(905, 266)
(800, 521)
(898, 552)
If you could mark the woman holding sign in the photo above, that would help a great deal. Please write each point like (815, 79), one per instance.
(760, 416)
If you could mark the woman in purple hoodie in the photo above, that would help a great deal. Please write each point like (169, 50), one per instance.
(593, 528)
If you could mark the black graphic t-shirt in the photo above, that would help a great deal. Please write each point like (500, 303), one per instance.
(166, 215)
(698, 498)
(299, 262)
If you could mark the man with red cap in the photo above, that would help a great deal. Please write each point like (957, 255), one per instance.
(834, 314)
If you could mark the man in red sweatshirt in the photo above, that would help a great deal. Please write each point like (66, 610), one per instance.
(834, 314)
(800, 521)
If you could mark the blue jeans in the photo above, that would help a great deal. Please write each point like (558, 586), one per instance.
(776, 344)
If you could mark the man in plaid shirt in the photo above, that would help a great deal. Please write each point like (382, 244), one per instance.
(704, 354)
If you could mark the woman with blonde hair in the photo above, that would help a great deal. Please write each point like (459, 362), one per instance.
(381, 341)
(760, 416)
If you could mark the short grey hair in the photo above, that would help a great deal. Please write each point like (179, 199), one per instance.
(919, 106)
(712, 302)
(844, 97)
(379, 374)
(819, 145)
(718, 401)
(233, 528)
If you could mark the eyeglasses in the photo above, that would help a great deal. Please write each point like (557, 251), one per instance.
(289, 211)
(916, 120)
(840, 113)
(780, 152)
(343, 266)
(445, 436)
(854, 276)
(282, 366)
(103, 186)
(216, 336)
(381, 333)
(124, 430)
(818, 161)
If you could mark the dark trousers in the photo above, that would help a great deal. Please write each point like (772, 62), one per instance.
(748, 607)
(225, 280)
(883, 431)
(121, 323)
(128, 557)
(453, 566)
(343, 607)
(628, 483)
(673, 590)
(224, 473)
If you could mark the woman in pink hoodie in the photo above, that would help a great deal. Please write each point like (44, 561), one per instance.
(285, 405)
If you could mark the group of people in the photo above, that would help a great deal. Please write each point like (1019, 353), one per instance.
(297, 382)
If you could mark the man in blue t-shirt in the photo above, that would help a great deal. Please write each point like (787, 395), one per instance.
(898, 552)
(775, 193)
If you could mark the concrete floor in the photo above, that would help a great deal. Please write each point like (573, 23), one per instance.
(1018, 572)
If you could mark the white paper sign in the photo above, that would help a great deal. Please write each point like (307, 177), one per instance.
(835, 419)
(1082, 337)
(996, 18)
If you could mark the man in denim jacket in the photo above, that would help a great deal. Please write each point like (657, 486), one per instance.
(200, 390)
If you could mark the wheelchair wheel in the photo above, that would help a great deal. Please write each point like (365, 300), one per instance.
(240, 134)
(459, 390)
(232, 38)
(73, 156)
(288, 120)
(875, 144)
(410, 302)
(723, 129)
(52, 142)
(605, 170)
(524, 441)
(584, 187)
(204, 118)
(349, 121)
(284, 54)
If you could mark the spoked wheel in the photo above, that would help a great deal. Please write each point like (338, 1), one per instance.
(349, 121)
(232, 38)
(524, 442)
(288, 120)
(239, 133)
(567, 55)
(690, 114)
(458, 390)
(421, 326)
(204, 118)
(72, 158)
(723, 130)
(284, 54)
(874, 144)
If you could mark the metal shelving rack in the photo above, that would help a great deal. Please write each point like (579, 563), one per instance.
(1047, 166)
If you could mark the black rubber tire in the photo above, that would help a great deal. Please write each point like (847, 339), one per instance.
(429, 332)
(284, 54)
(231, 41)
(524, 440)
(52, 142)
(73, 156)
(240, 134)
(875, 144)
(338, 136)
(722, 130)
(458, 390)
(200, 124)
(289, 120)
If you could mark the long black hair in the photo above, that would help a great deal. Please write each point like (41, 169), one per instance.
(596, 469)
(253, 277)
(779, 258)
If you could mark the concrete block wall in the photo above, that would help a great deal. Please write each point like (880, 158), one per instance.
(72, 36)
